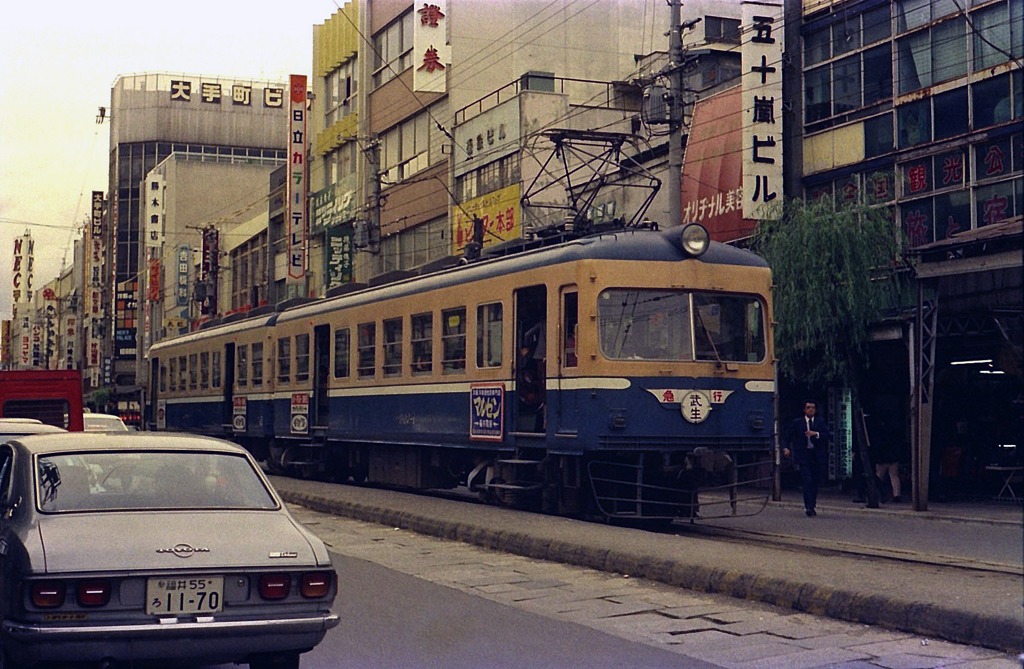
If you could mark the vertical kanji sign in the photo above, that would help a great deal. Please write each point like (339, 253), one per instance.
(761, 48)
(296, 210)
(430, 53)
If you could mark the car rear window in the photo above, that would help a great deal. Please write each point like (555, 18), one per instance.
(148, 480)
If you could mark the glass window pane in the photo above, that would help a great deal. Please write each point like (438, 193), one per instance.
(816, 47)
(422, 344)
(914, 122)
(393, 347)
(877, 74)
(367, 350)
(302, 357)
(845, 36)
(994, 203)
(878, 135)
(952, 213)
(488, 335)
(284, 360)
(915, 62)
(728, 327)
(215, 370)
(991, 36)
(204, 369)
(917, 222)
(242, 360)
(951, 113)
(846, 86)
(949, 50)
(644, 325)
(342, 353)
(950, 169)
(257, 365)
(453, 340)
(817, 95)
(876, 24)
(912, 14)
(991, 101)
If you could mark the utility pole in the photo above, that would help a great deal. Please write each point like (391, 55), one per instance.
(675, 137)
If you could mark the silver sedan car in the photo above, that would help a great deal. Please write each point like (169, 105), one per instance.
(136, 547)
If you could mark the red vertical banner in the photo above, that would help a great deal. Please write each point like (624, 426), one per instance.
(297, 188)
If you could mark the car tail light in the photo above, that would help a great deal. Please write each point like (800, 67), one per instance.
(93, 593)
(275, 586)
(315, 584)
(48, 594)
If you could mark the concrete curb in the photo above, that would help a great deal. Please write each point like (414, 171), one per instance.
(926, 619)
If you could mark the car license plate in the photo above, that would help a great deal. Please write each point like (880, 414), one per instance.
(177, 595)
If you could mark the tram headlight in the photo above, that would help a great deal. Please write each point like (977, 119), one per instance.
(695, 239)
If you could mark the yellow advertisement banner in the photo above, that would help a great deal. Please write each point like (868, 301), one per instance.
(501, 213)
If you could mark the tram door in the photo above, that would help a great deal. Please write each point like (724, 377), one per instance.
(321, 371)
(530, 358)
(229, 387)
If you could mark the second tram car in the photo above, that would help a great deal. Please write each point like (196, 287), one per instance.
(597, 376)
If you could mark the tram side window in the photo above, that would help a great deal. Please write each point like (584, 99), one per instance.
(488, 335)
(242, 357)
(366, 349)
(193, 372)
(453, 341)
(644, 324)
(182, 372)
(570, 318)
(204, 370)
(257, 365)
(393, 347)
(422, 344)
(301, 357)
(284, 360)
(728, 327)
(163, 378)
(174, 373)
(342, 353)
(215, 370)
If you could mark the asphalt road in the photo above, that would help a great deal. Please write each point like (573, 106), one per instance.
(940, 593)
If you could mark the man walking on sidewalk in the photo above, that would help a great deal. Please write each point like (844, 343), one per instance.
(806, 438)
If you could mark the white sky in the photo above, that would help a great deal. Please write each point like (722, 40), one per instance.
(58, 61)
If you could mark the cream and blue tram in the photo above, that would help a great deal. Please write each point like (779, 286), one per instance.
(592, 376)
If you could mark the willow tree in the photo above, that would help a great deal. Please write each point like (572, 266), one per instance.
(835, 270)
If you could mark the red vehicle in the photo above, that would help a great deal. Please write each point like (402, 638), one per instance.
(51, 396)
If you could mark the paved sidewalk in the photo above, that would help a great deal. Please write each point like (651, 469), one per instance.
(984, 610)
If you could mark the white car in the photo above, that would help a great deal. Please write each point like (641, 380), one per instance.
(103, 422)
(126, 548)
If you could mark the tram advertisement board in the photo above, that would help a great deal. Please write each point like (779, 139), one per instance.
(487, 411)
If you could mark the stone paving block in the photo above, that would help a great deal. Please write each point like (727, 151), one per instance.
(751, 653)
(915, 645)
(805, 659)
(851, 639)
(700, 608)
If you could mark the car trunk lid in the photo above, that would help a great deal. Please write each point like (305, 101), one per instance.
(179, 540)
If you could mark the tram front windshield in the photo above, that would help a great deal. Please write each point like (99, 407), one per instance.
(680, 325)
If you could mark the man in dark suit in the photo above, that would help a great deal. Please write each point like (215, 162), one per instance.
(806, 438)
